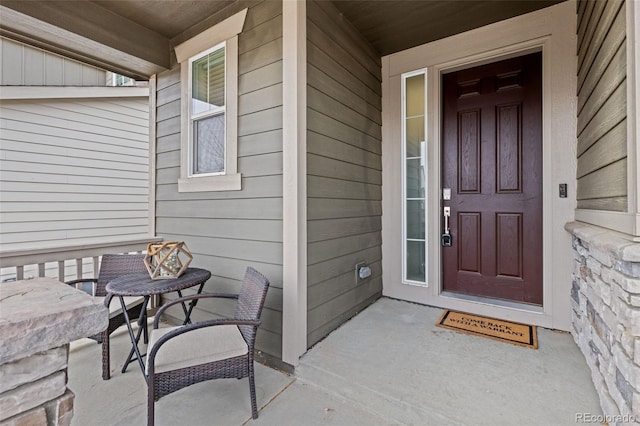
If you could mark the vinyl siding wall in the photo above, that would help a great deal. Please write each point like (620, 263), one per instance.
(73, 171)
(73, 167)
(344, 169)
(23, 65)
(602, 106)
(230, 230)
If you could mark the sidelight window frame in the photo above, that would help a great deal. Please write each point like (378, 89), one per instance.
(422, 168)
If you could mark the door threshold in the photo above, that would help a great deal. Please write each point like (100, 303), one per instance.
(493, 302)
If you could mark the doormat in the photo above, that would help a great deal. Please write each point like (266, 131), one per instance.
(503, 331)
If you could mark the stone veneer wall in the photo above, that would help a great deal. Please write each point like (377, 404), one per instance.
(33, 390)
(38, 319)
(606, 316)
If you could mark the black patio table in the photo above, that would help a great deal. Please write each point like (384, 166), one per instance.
(141, 284)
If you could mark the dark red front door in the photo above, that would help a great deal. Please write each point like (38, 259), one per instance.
(492, 162)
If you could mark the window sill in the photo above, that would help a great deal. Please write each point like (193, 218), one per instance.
(230, 182)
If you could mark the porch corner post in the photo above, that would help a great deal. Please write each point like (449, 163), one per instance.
(633, 111)
(153, 140)
(294, 171)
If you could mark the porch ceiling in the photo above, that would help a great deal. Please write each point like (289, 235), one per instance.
(135, 37)
(395, 25)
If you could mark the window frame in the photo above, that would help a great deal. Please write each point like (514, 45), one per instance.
(193, 117)
(225, 32)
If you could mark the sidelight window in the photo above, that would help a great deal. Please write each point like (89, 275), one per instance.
(414, 156)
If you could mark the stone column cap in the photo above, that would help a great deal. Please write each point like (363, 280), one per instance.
(623, 246)
(43, 313)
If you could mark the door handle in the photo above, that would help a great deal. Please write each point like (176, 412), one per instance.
(446, 236)
(447, 214)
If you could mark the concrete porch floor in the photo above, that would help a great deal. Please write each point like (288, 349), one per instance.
(390, 365)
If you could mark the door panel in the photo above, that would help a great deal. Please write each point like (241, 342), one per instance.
(469, 161)
(492, 161)
(469, 225)
(508, 148)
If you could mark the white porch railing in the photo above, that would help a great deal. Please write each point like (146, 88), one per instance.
(66, 262)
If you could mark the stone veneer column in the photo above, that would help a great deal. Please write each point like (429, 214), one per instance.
(38, 319)
(606, 316)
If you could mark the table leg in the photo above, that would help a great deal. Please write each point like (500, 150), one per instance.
(192, 304)
(135, 338)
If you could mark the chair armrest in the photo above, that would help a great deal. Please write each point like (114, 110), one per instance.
(82, 280)
(189, 298)
(107, 299)
(81, 284)
(151, 355)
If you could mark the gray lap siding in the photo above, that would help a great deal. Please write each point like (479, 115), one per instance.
(344, 167)
(230, 230)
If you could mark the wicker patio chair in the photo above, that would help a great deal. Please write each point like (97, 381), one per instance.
(213, 349)
(113, 266)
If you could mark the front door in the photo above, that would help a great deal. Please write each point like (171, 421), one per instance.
(492, 167)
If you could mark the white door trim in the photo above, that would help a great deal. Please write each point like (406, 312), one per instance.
(551, 30)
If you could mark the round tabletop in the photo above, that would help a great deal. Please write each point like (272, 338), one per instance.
(141, 284)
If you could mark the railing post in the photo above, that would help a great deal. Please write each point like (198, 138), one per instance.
(40, 269)
(96, 266)
(78, 268)
(61, 270)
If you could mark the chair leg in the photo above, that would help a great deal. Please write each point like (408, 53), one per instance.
(145, 333)
(252, 390)
(150, 403)
(106, 362)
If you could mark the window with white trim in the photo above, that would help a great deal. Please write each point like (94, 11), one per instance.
(118, 80)
(209, 123)
(207, 113)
